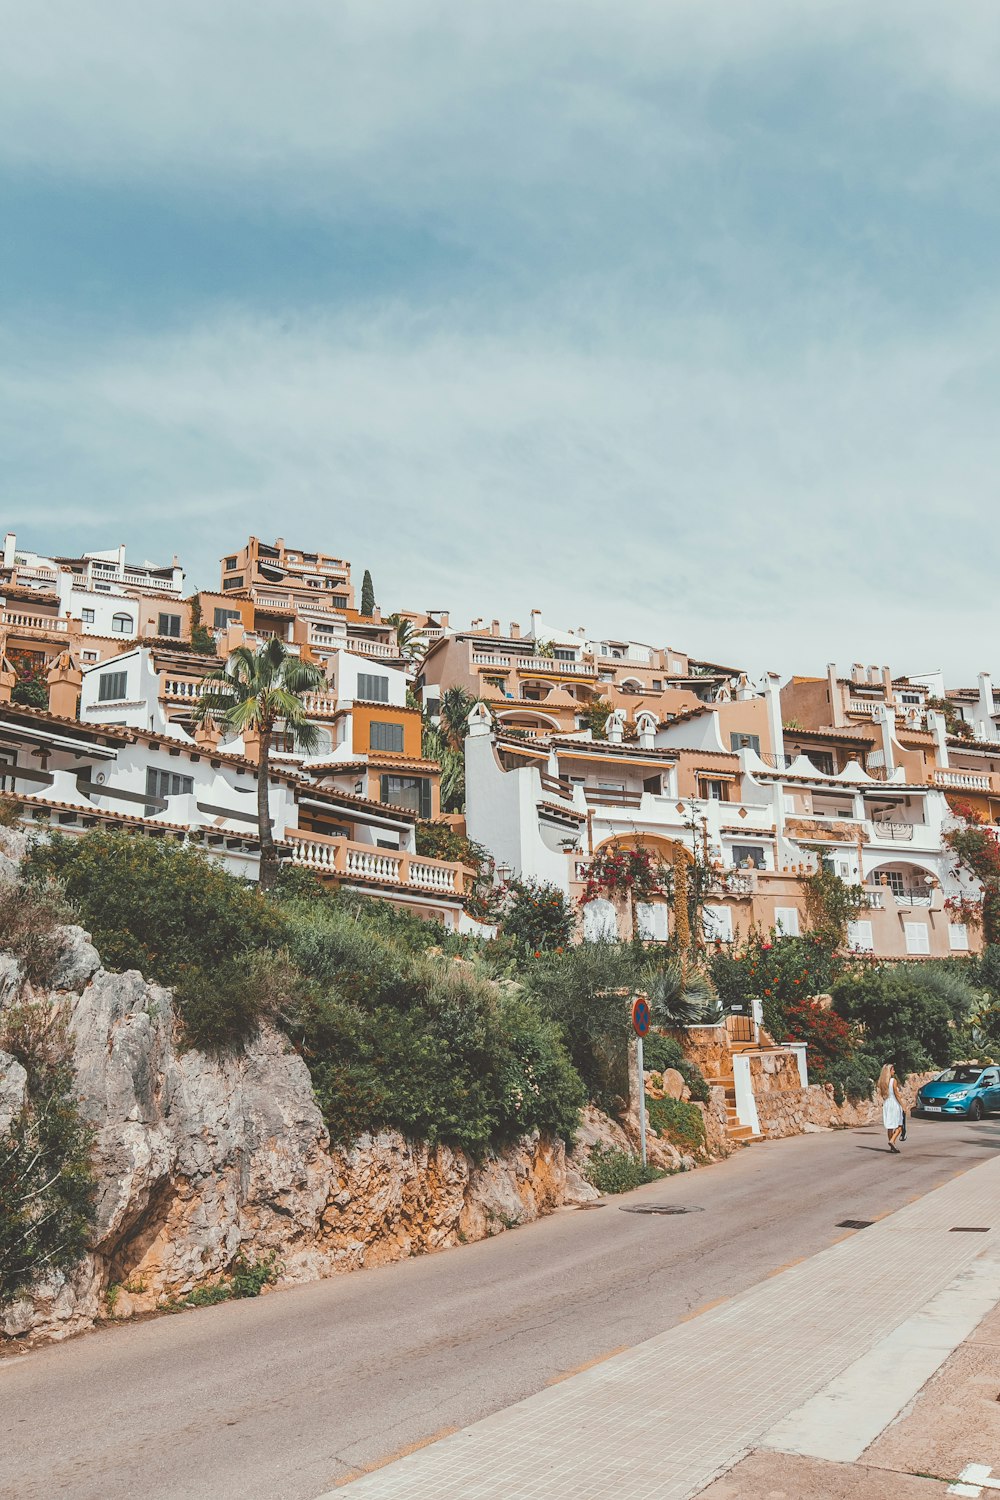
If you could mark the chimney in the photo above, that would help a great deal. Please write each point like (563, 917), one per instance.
(443, 619)
(857, 672)
(887, 684)
(494, 627)
(987, 729)
(939, 729)
(875, 676)
(515, 631)
(837, 716)
(887, 724)
(614, 727)
(646, 728)
(9, 549)
(772, 692)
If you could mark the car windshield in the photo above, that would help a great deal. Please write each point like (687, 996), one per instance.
(961, 1073)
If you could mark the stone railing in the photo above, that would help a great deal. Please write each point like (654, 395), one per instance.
(45, 623)
(966, 781)
(175, 687)
(361, 647)
(319, 705)
(867, 706)
(365, 862)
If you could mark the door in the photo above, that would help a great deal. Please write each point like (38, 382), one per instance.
(991, 1083)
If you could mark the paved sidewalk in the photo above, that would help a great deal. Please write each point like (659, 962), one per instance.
(661, 1420)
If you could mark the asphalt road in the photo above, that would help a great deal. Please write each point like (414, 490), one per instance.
(278, 1399)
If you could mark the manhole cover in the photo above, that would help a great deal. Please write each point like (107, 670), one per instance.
(661, 1208)
(970, 1229)
(855, 1224)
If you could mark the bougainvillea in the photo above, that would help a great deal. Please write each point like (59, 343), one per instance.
(625, 869)
(977, 854)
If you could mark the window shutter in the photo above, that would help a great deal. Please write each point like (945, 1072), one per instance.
(917, 937)
(786, 920)
(860, 936)
(958, 937)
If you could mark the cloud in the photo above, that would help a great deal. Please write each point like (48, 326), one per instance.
(775, 513)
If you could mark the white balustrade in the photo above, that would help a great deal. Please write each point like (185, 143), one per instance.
(969, 781)
(34, 622)
(176, 688)
(481, 660)
(319, 703)
(869, 706)
(361, 647)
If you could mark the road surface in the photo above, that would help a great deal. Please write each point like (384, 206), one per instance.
(284, 1397)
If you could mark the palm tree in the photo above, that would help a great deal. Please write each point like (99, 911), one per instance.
(456, 706)
(254, 692)
(408, 643)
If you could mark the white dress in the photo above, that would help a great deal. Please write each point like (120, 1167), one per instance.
(892, 1110)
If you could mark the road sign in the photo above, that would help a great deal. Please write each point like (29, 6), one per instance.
(640, 1016)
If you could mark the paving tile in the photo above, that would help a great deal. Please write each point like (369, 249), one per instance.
(662, 1419)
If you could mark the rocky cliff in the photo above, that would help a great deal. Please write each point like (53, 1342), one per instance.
(199, 1157)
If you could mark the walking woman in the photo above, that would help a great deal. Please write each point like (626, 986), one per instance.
(892, 1109)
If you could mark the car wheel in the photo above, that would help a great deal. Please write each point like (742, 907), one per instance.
(976, 1109)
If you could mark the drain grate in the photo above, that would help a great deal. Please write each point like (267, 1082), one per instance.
(855, 1224)
(970, 1229)
(661, 1208)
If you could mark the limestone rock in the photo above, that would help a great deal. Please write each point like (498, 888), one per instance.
(673, 1084)
(13, 1089)
(78, 962)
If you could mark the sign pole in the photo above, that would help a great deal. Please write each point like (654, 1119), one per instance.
(642, 1099)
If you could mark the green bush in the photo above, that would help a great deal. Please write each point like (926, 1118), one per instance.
(612, 1171)
(31, 915)
(158, 906)
(853, 1077)
(907, 1014)
(660, 1052)
(538, 915)
(47, 1188)
(249, 1277)
(680, 1121)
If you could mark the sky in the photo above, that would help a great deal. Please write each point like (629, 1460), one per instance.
(674, 319)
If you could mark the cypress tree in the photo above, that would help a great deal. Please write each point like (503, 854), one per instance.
(367, 594)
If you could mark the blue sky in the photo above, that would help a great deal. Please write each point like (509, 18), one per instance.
(669, 318)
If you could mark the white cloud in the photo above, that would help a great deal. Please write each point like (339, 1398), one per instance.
(775, 512)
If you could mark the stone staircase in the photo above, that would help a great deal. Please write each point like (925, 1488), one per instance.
(734, 1130)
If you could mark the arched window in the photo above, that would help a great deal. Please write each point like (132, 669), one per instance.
(122, 624)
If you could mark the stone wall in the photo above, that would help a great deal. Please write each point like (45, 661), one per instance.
(798, 1111)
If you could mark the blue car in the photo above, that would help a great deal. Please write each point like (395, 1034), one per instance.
(968, 1089)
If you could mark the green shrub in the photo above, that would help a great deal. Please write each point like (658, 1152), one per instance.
(47, 1188)
(249, 1277)
(853, 1077)
(538, 915)
(158, 906)
(31, 915)
(660, 1052)
(680, 1121)
(612, 1171)
(907, 1014)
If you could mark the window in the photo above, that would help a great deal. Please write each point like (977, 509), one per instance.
(788, 801)
(821, 760)
(786, 921)
(917, 937)
(122, 624)
(112, 686)
(372, 688)
(912, 698)
(657, 684)
(605, 676)
(717, 922)
(169, 625)
(90, 656)
(745, 742)
(860, 937)
(563, 653)
(224, 616)
(87, 616)
(168, 784)
(8, 760)
(411, 792)
(339, 601)
(651, 921)
(386, 737)
(747, 856)
(894, 880)
(230, 564)
(715, 791)
(958, 937)
(233, 583)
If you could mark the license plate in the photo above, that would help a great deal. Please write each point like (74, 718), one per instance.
(933, 1109)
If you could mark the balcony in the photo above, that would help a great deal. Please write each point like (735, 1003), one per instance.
(899, 833)
(964, 781)
(320, 705)
(378, 649)
(549, 665)
(179, 690)
(363, 862)
(603, 796)
(33, 624)
(866, 706)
